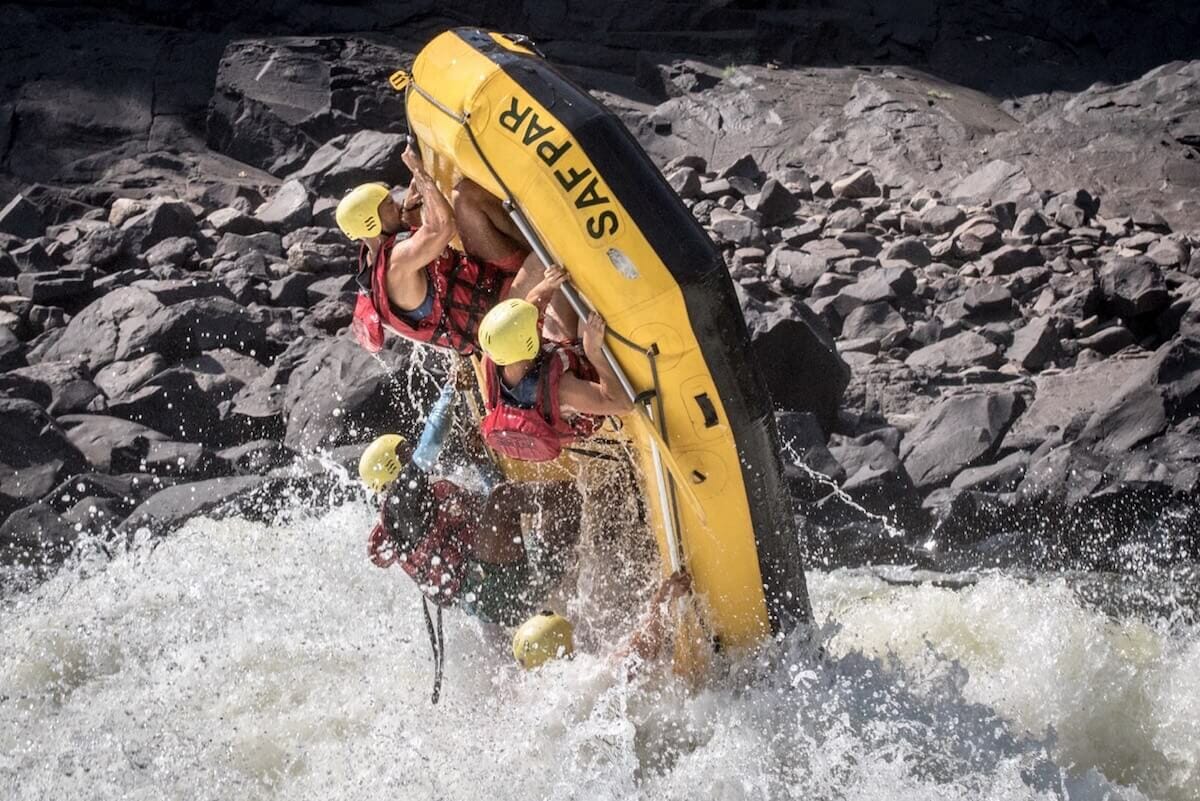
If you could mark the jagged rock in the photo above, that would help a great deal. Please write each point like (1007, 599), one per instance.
(940, 219)
(995, 181)
(21, 218)
(170, 508)
(106, 248)
(1169, 253)
(110, 443)
(686, 182)
(49, 287)
(797, 270)
(856, 185)
(987, 298)
(289, 208)
(36, 450)
(347, 161)
(735, 228)
(1165, 389)
(292, 289)
(1030, 222)
(1108, 341)
(123, 377)
(875, 477)
(174, 252)
(130, 321)
(36, 536)
(965, 349)
(12, 351)
(257, 457)
(59, 387)
(337, 390)
(164, 220)
(232, 220)
(863, 243)
(313, 257)
(744, 167)
(1036, 344)
(1003, 476)
(234, 246)
(183, 460)
(959, 432)
(1010, 258)
(804, 440)
(878, 322)
(913, 251)
(803, 370)
(1133, 287)
(775, 203)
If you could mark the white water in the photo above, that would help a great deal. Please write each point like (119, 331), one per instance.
(246, 661)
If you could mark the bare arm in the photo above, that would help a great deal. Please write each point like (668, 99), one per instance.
(652, 635)
(543, 292)
(428, 241)
(606, 397)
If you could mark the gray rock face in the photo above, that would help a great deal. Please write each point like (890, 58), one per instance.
(130, 321)
(875, 321)
(1035, 345)
(803, 370)
(277, 100)
(337, 391)
(957, 433)
(858, 184)
(21, 218)
(1165, 389)
(289, 208)
(1133, 286)
(344, 162)
(966, 349)
(35, 450)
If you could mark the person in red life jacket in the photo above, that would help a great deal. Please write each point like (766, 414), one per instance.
(495, 554)
(541, 395)
(411, 282)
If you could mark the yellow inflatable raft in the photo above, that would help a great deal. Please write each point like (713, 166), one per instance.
(489, 108)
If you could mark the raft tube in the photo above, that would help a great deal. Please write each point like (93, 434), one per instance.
(494, 111)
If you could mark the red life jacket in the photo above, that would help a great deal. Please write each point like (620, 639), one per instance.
(537, 434)
(437, 562)
(464, 290)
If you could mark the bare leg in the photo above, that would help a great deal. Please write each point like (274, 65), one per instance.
(486, 231)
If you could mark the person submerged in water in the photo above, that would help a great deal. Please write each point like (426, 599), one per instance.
(411, 281)
(540, 394)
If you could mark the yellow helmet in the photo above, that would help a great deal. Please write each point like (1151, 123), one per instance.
(509, 332)
(358, 212)
(543, 637)
(380, 462)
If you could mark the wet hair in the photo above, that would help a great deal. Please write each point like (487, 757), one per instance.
(408, 507)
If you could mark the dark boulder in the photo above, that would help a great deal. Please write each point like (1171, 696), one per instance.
(800, 362)
(60, 387)
(110, 444)
(344, 162)
(131, 321)
(1133, 287)
(959, 432)
(1163, 390)
(36, 537)
(963, 350)
(338, 391)
(36, 450)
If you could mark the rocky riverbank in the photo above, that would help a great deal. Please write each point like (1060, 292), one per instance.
(978, 317)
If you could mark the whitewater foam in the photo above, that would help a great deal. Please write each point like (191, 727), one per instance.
(254, 661)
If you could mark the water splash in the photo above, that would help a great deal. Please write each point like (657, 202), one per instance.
(267, 662)
(835, 491)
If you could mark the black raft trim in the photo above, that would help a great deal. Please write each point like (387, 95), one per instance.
(712, 306)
